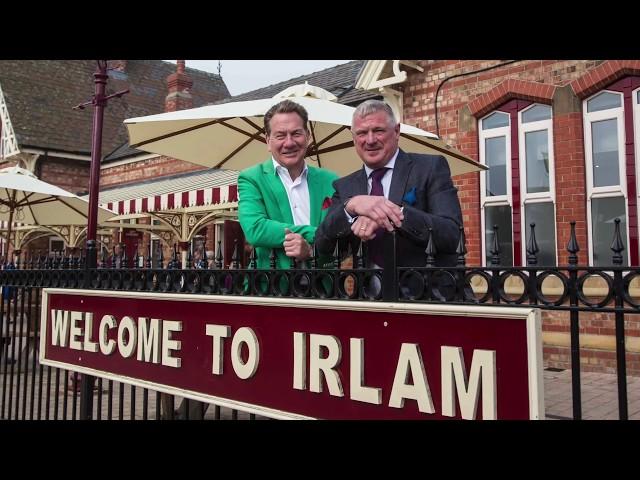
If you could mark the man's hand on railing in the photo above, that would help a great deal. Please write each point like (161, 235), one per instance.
(384, 212)
(364, 228)
(295, 246)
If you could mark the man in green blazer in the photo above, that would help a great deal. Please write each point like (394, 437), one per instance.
(283, 200)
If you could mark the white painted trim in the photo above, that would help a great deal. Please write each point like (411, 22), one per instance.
(8, 138)
(535, 365)
(636, 139)
(411, 64)
(497, 200)
(369, 73)
(395, 100)
(72, 156)
(370, 79)
(530, 315)
(608, 191)
(539, 197)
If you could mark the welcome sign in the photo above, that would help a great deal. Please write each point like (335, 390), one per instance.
(304, 358)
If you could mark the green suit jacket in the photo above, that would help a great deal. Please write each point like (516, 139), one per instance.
(264, 211)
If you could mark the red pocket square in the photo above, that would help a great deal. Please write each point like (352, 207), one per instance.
(326, 203)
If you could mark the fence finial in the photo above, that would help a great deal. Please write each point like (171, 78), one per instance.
(235, 258)
(336, 255)
(360, 256)
(148, 261)
(617, 246)
(572, 247)
(532, 246)
(252, 259)
(461, 250)
(124, 261)
(430, 250)
(495, 249)
(218, 259)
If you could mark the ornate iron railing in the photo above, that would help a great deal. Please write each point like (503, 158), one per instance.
(573, 288)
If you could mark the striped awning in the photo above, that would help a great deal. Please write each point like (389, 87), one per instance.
(172, 201)
(193, 189)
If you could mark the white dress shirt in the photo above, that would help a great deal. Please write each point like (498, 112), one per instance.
(297, 192)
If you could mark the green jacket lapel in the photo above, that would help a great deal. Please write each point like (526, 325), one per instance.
(276, 187)
(315, 196)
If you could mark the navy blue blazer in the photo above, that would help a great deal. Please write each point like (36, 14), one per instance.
(436, 205)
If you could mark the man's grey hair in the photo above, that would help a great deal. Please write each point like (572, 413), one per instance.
(372, 106)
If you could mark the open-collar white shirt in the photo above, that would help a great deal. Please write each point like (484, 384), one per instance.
(297, 192)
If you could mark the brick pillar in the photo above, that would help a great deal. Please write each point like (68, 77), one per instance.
(469, 187)
(571, 182)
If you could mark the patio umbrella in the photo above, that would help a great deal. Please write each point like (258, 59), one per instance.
(231, 135)
(26, 199)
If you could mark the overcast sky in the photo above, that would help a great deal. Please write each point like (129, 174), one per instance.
(242, 76)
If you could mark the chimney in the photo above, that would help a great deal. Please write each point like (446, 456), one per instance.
(179, 86)
(119, 65)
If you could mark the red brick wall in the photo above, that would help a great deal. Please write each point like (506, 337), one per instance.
(144, 170)
(453, 99)
(591, 359)
(71, 175)
(571, 186)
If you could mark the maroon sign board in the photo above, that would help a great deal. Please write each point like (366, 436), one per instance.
(304, 358)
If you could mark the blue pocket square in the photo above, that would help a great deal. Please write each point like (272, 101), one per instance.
(410, 197)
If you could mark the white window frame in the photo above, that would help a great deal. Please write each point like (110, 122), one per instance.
(219, 235)
(152, 250)
(55, 239)
(499, 200)
(537, 197)
(636, 139)
(610, 190)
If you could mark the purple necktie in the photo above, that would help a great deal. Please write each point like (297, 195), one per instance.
(376, 246)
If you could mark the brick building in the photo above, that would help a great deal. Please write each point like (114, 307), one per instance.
(561, 141)
(559, 137)
(42, 132)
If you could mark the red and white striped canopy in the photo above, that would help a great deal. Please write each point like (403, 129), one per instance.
(172, 201)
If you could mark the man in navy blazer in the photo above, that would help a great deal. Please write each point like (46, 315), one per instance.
(418, 194)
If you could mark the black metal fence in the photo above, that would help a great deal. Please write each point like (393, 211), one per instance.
(32, 391)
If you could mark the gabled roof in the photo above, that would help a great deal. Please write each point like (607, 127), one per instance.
(40, 95)
(339, 80)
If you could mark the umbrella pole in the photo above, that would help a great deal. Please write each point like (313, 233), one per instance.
(9, 226)
(12, 203)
